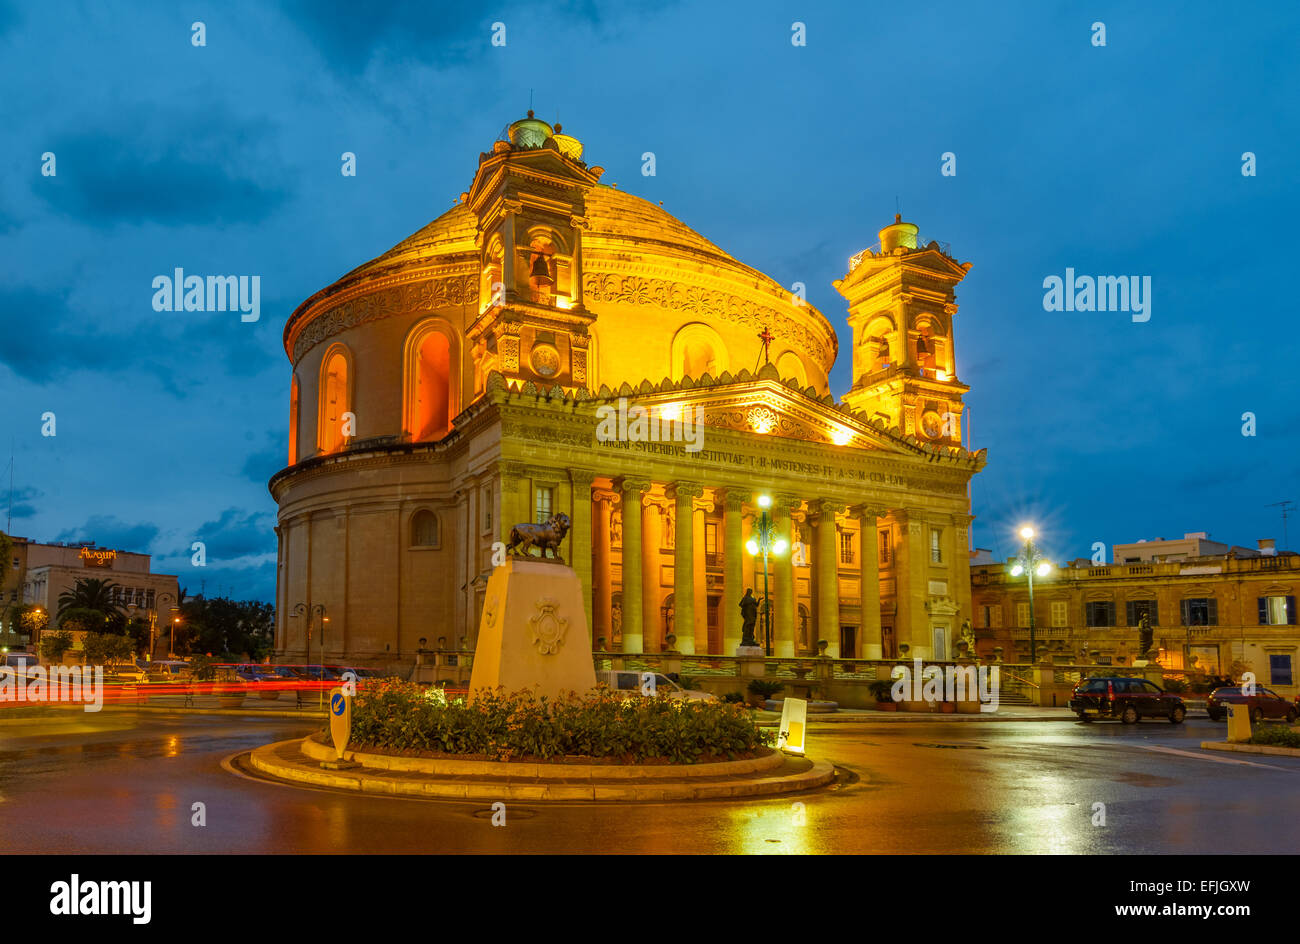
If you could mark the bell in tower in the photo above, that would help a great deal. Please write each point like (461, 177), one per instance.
(539, 277)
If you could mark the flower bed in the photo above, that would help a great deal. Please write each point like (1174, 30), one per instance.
(404, 717)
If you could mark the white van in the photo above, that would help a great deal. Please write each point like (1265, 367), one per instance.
(629, 680)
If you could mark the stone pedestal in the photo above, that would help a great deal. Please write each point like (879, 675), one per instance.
(752, 661)
(533, 632)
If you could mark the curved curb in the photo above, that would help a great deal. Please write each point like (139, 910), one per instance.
(1244, 748)
(285, 760)
(443, 767)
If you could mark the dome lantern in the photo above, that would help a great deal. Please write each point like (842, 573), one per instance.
(529, 132)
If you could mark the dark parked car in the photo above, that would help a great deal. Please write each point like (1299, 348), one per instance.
(1263, 704)
(1128, 699)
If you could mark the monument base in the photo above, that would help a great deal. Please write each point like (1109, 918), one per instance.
(751, 651)
(533, 631)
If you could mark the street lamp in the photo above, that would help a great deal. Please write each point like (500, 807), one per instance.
(766, 542)
(319, 608)
(1030, 562)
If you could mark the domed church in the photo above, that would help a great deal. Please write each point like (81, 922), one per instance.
(553, 345)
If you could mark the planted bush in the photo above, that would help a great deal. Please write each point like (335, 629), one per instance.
(1276, 736)
(403, 716)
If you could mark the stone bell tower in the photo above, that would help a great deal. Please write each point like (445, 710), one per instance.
(529, 196)
(901, 309)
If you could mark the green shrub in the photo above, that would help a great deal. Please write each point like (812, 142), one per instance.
(1175, 685)
(1276, 736)
(764, 687)
(398, 715)
(733, 698)
(882, 689)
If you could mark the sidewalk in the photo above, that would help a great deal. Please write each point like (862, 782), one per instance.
(860, 716)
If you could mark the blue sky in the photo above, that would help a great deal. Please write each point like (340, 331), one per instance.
(1115, 160)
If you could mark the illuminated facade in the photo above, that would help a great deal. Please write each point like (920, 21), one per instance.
(454, 386)
(1207, 602)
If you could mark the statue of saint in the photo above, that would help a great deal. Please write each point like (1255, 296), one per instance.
(616, 528)
(1146, 635)
(748, 617)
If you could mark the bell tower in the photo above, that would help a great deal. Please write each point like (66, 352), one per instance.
(529, 196)
(901, 309)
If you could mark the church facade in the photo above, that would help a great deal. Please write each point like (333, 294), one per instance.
(464, 381)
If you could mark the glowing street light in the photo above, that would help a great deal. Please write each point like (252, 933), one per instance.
(765, 542)
(1029, 563)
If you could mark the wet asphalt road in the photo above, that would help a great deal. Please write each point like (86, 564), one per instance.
(117, 782)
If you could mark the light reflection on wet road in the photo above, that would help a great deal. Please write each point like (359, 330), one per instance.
(117, 783)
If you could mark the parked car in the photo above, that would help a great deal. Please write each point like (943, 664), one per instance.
(630, 681)
(168, 670)
(1265, 703)
(17, 660)
(125, 672)
(1128, 699)
(256, 672)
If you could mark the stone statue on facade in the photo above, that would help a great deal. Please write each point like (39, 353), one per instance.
(748, 618)
(1146, 636)
(616, 528)
(544, 537)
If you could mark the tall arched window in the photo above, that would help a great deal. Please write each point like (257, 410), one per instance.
(335, 400)
(294, 407)
(698, 349)
(424, 529)
(431, 371)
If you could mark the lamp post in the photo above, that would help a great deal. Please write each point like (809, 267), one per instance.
(765, 542)
(299, 610)
(1030, 562)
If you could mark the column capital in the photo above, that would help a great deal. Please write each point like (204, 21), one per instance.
(786, 502)
(823, 507)
(733, 499)
(684, 490)
(606, 495)
(868, 511)
(627, 483)
(581, 476)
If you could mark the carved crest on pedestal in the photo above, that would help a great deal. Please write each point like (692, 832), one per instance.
(548, 627)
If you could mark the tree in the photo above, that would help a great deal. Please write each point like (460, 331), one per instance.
(107, 648)
(90, 593)
(54, 645)
(243, 628)
(82, 619)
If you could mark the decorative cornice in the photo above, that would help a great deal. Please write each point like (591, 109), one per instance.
(618, 288)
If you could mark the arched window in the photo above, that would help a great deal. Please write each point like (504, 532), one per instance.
(697, 350)
(293, 421)
(424, 529)
(431, 369)
(493, 288)
(789, 365)
(335, 400)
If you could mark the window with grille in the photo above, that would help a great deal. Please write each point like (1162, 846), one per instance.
(1200, 611)
(885, 546)
(543, 500)
(846, 547)
(424, 529)
(936, 546)
(1277, 611)
(1100, 612)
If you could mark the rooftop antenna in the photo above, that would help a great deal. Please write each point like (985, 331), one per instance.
(1286, 507)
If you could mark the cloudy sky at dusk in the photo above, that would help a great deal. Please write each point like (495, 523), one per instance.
(1122, 160)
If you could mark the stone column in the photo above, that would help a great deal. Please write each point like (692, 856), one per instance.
(911, 573)
(513, 487)
(579, 539)
(633, 632)
(683, 495)
(651, 615)
(602, 590)
(869, 576)
(828, 577)
(733, 559)
(783, 596)
(701, 578)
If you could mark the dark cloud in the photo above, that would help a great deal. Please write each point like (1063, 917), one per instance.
(197, 165)
(22, 500)
(109, 531)
(237, 533)
(43, 340)
(349, 35)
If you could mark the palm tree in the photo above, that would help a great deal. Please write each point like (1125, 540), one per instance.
(90, 594)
